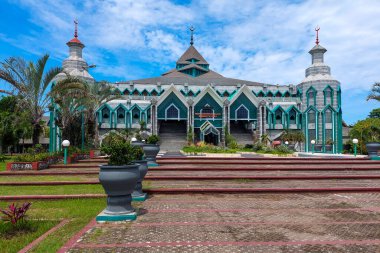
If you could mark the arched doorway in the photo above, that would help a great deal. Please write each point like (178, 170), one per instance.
(210, 134)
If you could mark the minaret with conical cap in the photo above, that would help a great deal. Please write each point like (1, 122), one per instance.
(321, 102)
(75, 65)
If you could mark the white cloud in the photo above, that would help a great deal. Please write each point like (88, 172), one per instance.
(264, 41)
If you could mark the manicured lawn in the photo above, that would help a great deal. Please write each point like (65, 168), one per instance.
(79, 211)
(13, 240)
(51, 190)
(44, 178)
(56, 189)
(3, 165)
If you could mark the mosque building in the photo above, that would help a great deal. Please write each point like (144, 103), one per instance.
(193, 97)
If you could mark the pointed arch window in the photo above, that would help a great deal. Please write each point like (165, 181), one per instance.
(328, 116)
(311, 116)
(172, 112)
(242, 113)
(207, 112)
(260, 94)
(145, 93)
(278, 94)
(293, 116)
(329, 96)
(120, 116)
(278, 116)
(135, 115)
(126, 92)
(106, 115)
(154, 93)
(269, 94)
(311, 97)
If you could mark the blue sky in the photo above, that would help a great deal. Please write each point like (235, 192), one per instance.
(264, 41)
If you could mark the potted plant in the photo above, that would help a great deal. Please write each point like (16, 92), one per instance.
(329, 145)
(318, 147)
(373, 146)
(138, 155)
(118, 179)
(151, 149)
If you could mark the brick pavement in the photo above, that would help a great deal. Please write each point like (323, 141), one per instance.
(345, 222)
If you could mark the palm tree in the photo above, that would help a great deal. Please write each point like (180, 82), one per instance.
(30, 81)
(98, 93)
(375, 92)
(70, 94)
(74, 96)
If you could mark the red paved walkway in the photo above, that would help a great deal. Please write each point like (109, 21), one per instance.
(243, 223)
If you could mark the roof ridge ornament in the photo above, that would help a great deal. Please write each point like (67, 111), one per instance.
(192, 35)
(76, 28)
(317, 30)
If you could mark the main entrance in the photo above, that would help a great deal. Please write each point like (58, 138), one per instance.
(209, 133)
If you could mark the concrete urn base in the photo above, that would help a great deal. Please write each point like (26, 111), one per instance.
(118, 183)
(138, 194)
(373, 149)
(151, 151)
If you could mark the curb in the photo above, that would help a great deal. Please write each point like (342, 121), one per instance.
(201, 190)
(154, 178)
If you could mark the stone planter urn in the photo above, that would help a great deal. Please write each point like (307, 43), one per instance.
(138, 143)
(318, 147)
(328, 148)
(372, 149)
(138, 194)
(118, 183)
(151, 151)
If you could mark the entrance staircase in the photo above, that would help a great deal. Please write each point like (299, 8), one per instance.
(172, 135)
(241, 135)
(187, 175)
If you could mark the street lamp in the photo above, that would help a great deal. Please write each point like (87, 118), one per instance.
(286, 143)
(65, 145)
(312, 146)
(355, 141)
(133, 139)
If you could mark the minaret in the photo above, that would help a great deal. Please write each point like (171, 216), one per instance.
(321, 101)
(75, 65)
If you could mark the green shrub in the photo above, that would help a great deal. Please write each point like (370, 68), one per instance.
(248, 146)
(258, 146)
(113, 137)
(138, 153)
(283, 150)
(120, 153)
(153, 139)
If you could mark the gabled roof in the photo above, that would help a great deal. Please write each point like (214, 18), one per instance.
(191, 53)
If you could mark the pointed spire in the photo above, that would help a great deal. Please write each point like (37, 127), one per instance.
(75, 39)
(192, 33)
(76, 28)
(317, 30)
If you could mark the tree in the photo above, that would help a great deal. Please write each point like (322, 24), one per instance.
(375, 92)
(74, 96)
(14, 123)
(70, 94)
(375, 113)
(30, 81)
(365, 131)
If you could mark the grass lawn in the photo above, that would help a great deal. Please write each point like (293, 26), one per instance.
(4, 164)
(56, 189)
(45, 178)
(79, 211)
(13, 240)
